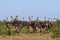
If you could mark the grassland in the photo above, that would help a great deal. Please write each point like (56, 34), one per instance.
(31, 36)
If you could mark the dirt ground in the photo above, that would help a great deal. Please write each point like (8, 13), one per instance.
(32, 36)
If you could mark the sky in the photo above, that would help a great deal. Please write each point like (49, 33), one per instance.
(26, 8)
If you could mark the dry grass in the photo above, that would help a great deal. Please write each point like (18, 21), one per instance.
(32, 36)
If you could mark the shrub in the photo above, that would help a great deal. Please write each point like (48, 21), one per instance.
(56, 30)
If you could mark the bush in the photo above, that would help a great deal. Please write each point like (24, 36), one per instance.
(3, 29)
(56, 30)
(24, 30)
